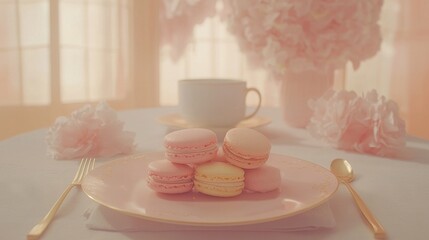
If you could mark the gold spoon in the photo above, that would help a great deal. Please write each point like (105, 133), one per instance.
(344, 172)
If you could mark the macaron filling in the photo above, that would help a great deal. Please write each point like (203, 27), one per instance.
(191, 153)
(243, 161)
(190, 149)
(163, 187)
(170, 179)
(218, 179)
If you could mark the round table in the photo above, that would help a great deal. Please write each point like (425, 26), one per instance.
(396, 190)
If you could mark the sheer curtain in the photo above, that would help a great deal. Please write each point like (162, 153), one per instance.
(401, 69)
(410, 72)
(56, 55)
(79, 47)
(24, 52)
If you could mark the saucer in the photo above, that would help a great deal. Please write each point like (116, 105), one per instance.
(175, 120)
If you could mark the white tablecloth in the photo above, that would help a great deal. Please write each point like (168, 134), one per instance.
(396, 190)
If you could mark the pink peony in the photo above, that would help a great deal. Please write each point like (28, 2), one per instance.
(367, 124)
(302, 35)
(89, 132)
(178, 19)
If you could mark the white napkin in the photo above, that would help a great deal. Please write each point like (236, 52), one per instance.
(105, 219)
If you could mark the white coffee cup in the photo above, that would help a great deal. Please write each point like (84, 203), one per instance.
(214, 102)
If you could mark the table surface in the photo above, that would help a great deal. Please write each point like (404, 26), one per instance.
(396, 190)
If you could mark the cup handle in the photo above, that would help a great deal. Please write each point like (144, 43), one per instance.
(259, 102)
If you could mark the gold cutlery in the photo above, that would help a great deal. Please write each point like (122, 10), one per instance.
(86, 165)
(344, 172)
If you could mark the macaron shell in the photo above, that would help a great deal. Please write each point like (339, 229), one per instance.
(264, 179)
(246, 148)
(219, 172)
(167, 169)
(190, 140)
(193, 145)
(246, 142)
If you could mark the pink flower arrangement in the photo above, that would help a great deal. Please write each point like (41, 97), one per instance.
(302, 35)
(368, 124)
(89, 132)
(178, 19)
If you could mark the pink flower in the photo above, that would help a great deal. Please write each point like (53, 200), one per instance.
(367, 124)
(302, 35)
(89, 132)
(178, 19)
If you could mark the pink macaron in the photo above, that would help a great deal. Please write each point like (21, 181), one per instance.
(190, 146)
(246, 148)
(263, 179)
(167, 177)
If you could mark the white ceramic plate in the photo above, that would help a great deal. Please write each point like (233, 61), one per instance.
(175, 120)
(121, 185)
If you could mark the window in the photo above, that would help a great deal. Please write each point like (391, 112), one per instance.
(56, 55)
(24, 52)
(94, 50)
(64, 51)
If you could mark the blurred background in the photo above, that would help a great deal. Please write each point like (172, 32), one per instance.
(57, 55)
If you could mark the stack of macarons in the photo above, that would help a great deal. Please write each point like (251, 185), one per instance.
(192, 162)
(249, 149)
(183, 149)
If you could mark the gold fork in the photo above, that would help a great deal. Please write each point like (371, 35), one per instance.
(86, 165)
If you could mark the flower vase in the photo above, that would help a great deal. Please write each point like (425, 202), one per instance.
(297, 89)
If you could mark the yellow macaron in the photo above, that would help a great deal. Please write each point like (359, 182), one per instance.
(219, 179)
